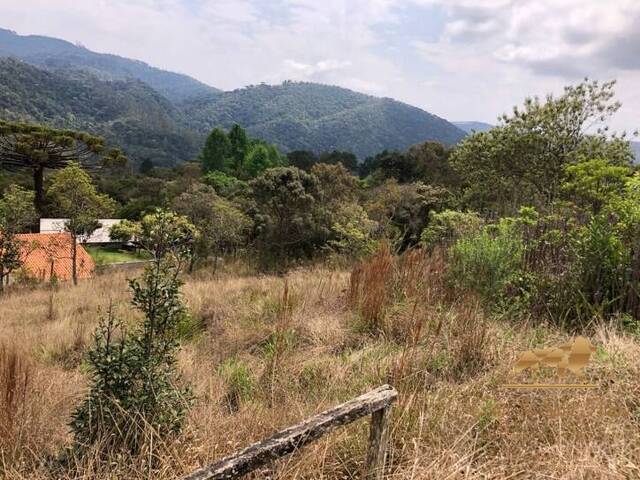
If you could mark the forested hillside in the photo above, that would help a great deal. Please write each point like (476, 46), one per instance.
(128, 113)
(308, 116)
(164, 116)
(59, 54)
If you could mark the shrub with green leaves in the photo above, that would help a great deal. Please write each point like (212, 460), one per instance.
(447, 226)
(135, 392)
(488, 261)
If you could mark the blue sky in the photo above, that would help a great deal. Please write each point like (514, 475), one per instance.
(460, 59)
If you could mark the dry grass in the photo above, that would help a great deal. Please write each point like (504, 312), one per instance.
(285, 348)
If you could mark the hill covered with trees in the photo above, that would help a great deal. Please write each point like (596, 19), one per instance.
(164, 116)
(309, 116)
(128, 113)
(54, 53)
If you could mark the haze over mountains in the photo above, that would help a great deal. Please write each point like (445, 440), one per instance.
(165, 116)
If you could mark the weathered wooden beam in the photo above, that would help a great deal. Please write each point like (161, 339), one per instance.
(378, 441)
(291, 439)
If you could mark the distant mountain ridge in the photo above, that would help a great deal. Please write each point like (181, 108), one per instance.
(128, 113)
(635, 146)
(54, 53)
(470, 126)
(164, 116)
(311, 116)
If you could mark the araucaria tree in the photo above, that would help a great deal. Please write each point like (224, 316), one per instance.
(35, 148)
(135, 398)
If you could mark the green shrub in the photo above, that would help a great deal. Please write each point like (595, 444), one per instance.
(488, 261)
(447, 226)
(602, 263)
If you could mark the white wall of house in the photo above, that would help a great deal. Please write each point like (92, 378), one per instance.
(101, 235)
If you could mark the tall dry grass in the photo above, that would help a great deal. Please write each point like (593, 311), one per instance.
(286, 348)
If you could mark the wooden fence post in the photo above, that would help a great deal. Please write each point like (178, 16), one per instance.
(378, 442)
(376, 403)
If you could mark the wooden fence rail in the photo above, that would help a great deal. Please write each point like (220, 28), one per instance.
(376, 403)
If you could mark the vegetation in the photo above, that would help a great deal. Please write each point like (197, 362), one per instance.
(127, 113)
(133, 395)
(158, 117)
(58, 54)
(111, 255)
(431, 271)
(16, 213)
(75, 198)
(35, 148)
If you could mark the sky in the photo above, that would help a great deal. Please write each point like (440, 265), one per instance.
(459, 59)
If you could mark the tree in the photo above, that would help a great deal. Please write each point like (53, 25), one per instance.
(286, 200)
(347, 159)
(134, 379)
(222, 226)
(161, 233)
(216, 151)
(16, 213)
(594, 183)
(146, 166)
(239, 146)
(524, 159)
(34, 148)
(75, 198)
(302, 159)
(402, 210)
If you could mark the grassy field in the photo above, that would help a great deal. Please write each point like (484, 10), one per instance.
(267, 356)
(109, 255)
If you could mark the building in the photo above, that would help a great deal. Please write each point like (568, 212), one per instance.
(99, 237)
(47, 255)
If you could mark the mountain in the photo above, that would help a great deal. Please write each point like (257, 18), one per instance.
(473, 126)
(53, 53)
(164, 116)
(310, 116)
(635, 146)
(128, 113)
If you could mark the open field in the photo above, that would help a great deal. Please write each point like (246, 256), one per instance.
(261, 356)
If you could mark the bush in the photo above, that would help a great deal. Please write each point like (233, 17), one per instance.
(487, 262)
(449, 225)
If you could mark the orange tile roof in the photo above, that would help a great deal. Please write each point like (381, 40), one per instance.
(42, 252)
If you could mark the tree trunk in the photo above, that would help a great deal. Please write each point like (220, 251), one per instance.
(38, 187)
(74, 258)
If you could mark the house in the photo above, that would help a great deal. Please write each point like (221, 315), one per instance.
(99, 237)
(47, 255)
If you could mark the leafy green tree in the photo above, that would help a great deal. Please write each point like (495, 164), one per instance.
(239, 143)
(16, 213)
(216, 151)
(347, 159)
(524, 159)
(161, 233)
(74, 197)
(134, 390)
(402, 210)
(594, 183)
(225, 185)
(286, 220)
(35, 148)
(221, 225)
(257, 161)
(302, 159)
